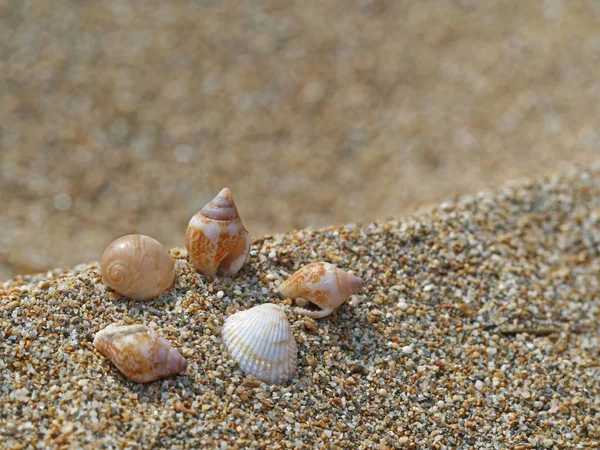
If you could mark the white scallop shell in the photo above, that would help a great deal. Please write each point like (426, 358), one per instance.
(261, 340)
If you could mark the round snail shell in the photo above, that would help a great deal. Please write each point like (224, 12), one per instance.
(216, 240)
(322, 284)
(137, 267)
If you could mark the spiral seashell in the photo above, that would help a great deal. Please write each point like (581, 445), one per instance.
(322, 284)
(139, 352)
(137, 267)
(216, 240)
(261, 340)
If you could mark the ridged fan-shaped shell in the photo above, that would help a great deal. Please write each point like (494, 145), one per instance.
(261, 340)
(216, 240)
(139, 352)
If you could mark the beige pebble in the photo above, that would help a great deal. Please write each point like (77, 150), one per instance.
(13, 304)
(311, 361)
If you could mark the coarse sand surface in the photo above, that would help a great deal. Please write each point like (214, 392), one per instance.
(477, 328)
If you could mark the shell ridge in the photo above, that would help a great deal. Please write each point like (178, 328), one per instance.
(272, 353)
(259, 355)
(231, 333)
(281, 339)
(243, 338)
(243, 342)
(271, 356)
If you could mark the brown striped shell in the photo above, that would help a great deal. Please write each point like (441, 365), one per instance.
(139, 352)
(322, 284)
(216, 240)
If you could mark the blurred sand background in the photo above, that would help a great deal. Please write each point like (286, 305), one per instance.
(119, 116)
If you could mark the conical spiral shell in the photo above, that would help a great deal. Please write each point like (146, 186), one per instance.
(261, 340)
(137, 267)
(216, 240)
(139, 352)
(323, 284)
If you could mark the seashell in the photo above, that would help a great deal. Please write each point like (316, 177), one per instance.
(323, 284)
(261, 340)
(137, 267)
(139, 352)
(216, 240)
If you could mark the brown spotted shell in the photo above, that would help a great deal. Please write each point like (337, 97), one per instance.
(139, 352)
(216, 240)
(322, 284)
(137, 267)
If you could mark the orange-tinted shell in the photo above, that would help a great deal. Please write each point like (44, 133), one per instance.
(323, 284)
(138, 267)
(216, 240)
(139, 352)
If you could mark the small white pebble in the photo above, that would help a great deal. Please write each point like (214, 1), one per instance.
(547, 443)
(440, 404)
(479, 385)
(272, 254)
(491, 351)
(62, 201)
(220, 294)
(402, 305)
(407, 349)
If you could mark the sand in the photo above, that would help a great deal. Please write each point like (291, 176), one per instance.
(118, 117)
(478, 328)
